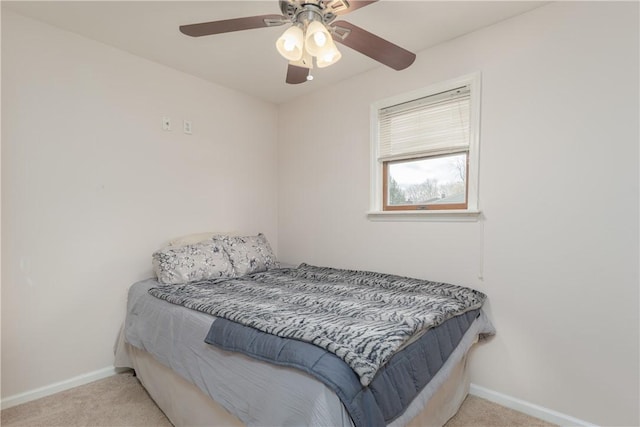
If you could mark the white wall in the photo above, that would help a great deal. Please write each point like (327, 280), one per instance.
(558, 242)
(91, 185)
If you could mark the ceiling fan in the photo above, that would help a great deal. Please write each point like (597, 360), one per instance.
(311, 36)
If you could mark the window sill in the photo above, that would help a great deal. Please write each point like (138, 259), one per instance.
(426, 215)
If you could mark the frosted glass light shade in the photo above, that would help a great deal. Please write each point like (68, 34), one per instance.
(290, 43)
(305, 61)
(328, 56)
(317, 38)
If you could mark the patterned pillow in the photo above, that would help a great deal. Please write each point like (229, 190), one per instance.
(249, 254)
(190, 239)
(189, 263)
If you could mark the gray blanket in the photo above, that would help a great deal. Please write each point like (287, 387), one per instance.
(361, 317)
(392, 390)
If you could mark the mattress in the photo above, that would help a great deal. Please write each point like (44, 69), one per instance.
(255, 392)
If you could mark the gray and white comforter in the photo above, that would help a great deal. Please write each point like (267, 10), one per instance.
(361, 317)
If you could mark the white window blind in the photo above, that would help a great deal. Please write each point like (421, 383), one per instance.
(435, 124)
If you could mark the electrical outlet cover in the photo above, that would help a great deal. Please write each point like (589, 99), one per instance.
(166, 123)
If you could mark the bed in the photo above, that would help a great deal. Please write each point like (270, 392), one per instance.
(209, 354)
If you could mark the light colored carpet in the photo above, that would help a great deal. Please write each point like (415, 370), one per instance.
(477, 412)
(120, 400)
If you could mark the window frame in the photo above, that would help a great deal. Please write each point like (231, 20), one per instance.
(378, 172)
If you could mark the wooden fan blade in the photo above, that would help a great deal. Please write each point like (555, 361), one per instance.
(296, 75)
(338, 10)
(374, 47)
(230, 25)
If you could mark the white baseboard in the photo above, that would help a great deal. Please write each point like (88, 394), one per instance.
(545, 414)
(28, 396)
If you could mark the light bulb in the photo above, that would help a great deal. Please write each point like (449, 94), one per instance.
(289, 45)
(319, 38)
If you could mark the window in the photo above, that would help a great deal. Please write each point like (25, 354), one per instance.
(424, 153)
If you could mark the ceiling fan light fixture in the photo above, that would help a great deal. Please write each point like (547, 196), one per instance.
(290, 43)
(317, 38)
(328, 56)
(305, 61)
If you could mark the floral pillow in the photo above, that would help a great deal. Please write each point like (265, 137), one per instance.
(190, 239)
(189, 263)
(248, 254)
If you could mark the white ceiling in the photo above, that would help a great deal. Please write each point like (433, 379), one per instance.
(247, 60)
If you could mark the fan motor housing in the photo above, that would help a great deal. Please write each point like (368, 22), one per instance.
(303, 10)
